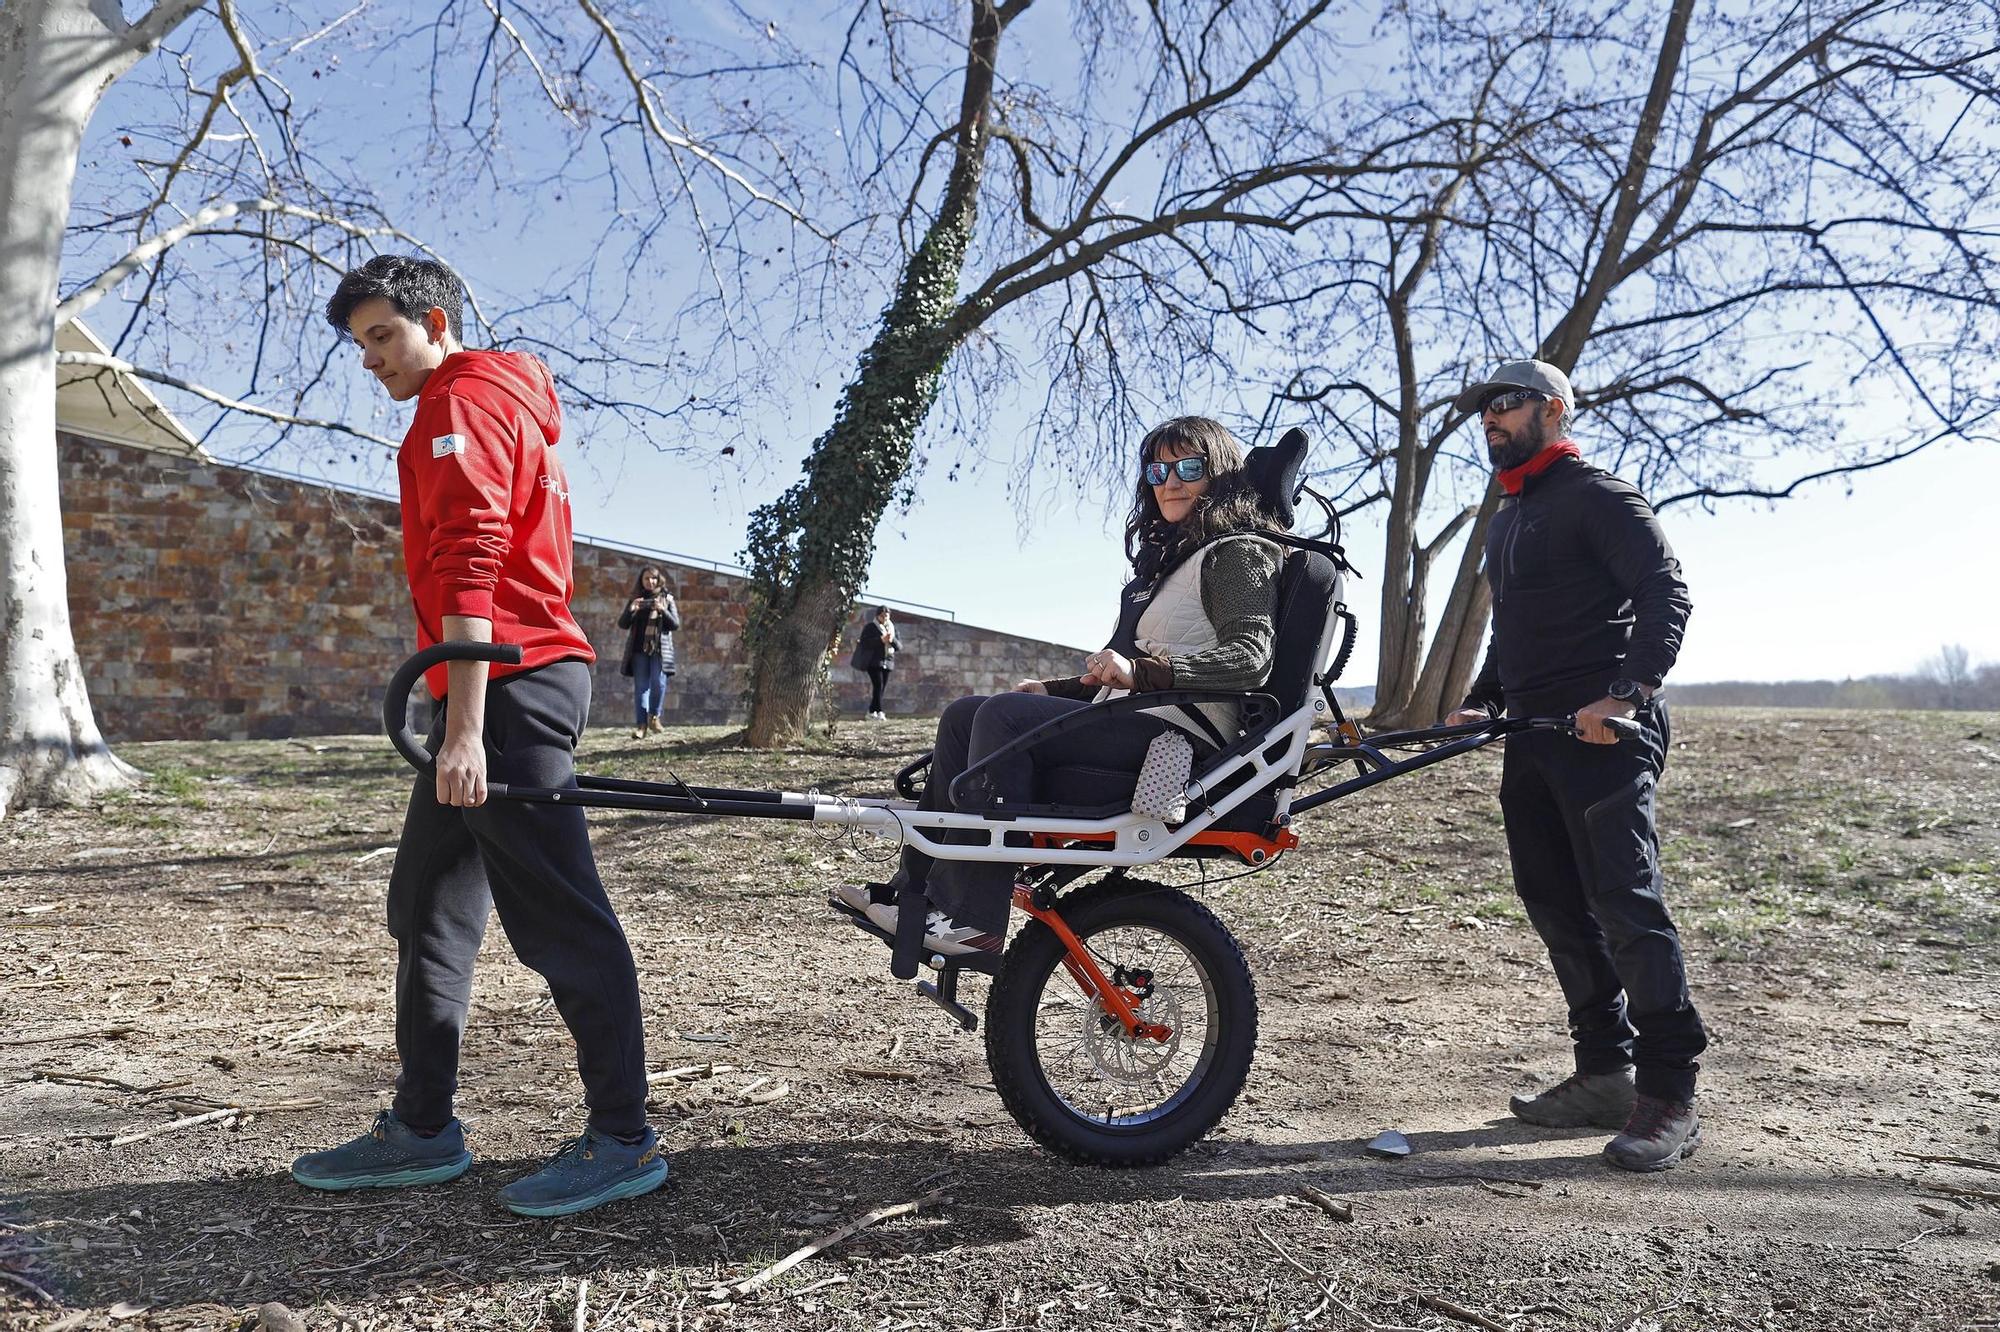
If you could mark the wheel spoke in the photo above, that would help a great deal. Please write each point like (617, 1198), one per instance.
(1101, 1074)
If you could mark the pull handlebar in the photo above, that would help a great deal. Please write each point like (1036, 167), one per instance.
(396, 702)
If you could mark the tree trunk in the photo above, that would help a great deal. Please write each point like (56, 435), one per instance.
(1461, 635)
(810, 550)
(56, 59)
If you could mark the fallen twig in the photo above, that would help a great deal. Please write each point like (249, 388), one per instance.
(58, 1075)
(1971, 1161)
(30, 1287)
(738, 1290)
(1963, 1191)
(206, 1117)
(356, 1267)
(689, 1073)
(100, 1033)
(884, 1074)
(582, 1301)
(1514, 1180)
(1326, 1292)
(1326, 1202)
(1459, 1311)
(190, 1121)
(322, 1028)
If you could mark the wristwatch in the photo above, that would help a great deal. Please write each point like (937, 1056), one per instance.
(1628, 691)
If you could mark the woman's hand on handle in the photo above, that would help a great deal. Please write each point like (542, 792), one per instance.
(1108, 668)
(1030, 687)
(1466, 716)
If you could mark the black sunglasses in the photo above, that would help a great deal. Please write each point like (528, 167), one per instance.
(1189, 470)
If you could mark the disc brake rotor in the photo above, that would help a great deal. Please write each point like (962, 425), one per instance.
(1120, 1057)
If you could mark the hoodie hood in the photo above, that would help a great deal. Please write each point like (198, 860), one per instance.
(518, 375)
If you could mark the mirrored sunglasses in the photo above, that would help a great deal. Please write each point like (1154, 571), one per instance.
(1189, 470)
(1507, 402)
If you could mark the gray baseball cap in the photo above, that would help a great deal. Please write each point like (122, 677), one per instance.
(1540, 376)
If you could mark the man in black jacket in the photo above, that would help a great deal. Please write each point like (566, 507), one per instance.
(1588, 610)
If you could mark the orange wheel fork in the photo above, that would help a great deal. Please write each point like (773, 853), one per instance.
(1083, 969)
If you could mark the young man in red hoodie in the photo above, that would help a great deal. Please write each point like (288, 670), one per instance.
(486, 543)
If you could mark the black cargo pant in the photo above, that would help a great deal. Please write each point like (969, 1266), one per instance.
(1587, 867)
(533, 863)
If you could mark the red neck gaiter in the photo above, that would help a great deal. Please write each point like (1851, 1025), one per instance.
(1512, 478)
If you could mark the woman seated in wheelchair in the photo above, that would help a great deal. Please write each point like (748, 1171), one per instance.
(1198, 614)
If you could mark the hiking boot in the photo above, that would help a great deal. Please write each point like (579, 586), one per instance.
(1660, 1136)
(389, 1155)
(1600, 1100)
(588, 1171)
(653, 726)
(638, 733)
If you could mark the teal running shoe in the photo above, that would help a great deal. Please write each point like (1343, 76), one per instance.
(388, 1156)
(588, 1171)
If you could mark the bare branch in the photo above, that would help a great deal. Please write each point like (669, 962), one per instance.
(121, 366)
(645, 92)
(556, 100)
(98, 287)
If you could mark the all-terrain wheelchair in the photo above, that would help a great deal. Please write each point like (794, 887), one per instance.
(1122, 1017)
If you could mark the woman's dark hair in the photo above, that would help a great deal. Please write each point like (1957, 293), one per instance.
(639, 588)
(1155, 545)
(414, 286)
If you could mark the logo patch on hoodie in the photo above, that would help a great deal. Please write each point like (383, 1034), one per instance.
(447, 444)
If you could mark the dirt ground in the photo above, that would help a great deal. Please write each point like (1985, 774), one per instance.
(216, 940)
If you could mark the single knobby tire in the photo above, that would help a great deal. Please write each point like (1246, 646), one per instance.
(1064, 1067)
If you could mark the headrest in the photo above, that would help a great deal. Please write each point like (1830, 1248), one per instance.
(1273, 472)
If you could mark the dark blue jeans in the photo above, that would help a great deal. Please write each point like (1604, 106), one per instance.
(1587, 867)
(649, 686)
(454, 866)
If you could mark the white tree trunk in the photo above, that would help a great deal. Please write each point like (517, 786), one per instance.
(56, 59)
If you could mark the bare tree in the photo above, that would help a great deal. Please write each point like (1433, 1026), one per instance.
(1743, 232)
(1150, 252)
(1951, 671)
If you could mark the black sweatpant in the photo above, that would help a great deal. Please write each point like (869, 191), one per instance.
(532, 863)
(878, 679)
(978, 892)
(1587, 867)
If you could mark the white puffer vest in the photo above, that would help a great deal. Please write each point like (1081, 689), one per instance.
(1175, 625)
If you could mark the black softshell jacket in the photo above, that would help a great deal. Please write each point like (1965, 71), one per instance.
(1585, 590)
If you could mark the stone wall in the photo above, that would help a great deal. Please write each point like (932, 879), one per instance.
(211, 602)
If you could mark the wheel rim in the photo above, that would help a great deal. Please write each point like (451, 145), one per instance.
(1093, 1069)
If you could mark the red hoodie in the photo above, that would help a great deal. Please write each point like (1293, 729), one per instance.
(486, 527)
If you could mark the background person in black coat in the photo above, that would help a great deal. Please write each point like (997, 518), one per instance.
(650, 618)
(875, 656)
